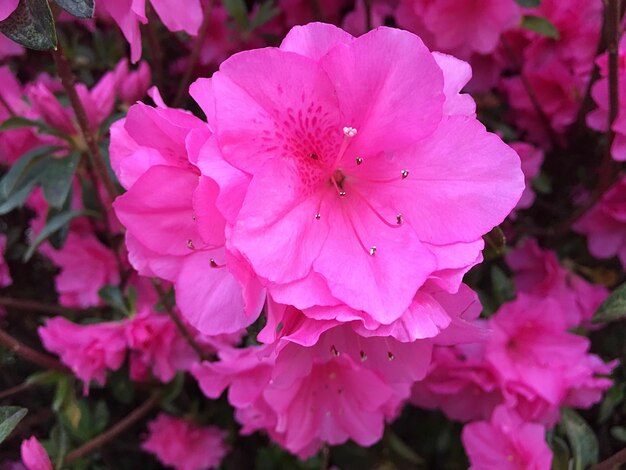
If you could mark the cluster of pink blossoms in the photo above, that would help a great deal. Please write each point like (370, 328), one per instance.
(297, 198)
(512, 386)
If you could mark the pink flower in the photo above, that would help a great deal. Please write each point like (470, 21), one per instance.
(132, 85)
(324, 145)
(129, 13)
(538, 272)
(532, 352)
(605, 224)
(156, 344)
(86, 266)
(158, 147)
(89, 350)
(185, 446)
(5, 274)
(506, 442)
(460, 27)
(531, 158)
(34, 456)
(460, 383)
(7, 7)
(9, 48)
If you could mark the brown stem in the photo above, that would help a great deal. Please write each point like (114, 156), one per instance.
(97, 442)
(612, 462)
(29, 354)
(16, 389)
(195, 55)
(34, 306)
(97, 160)
(169, 309)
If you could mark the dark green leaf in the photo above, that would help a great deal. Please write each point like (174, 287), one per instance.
(529, 3)
(59, 440)
(613, 398)
(238, 11)
(18, 198)
(542, 183)
(619, 433)
(23, 170)
(613, 308)
(560, 454)
(265, 13)
(54, 224)
(503, 289)
(582, 439)
(31, 25)
(58, 238)
(113, 297)
(79, 8)
(496, 239)
(403, 450)
(56, 178)
(540, 25)
(9, 417)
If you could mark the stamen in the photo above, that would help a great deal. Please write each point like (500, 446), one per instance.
(334, 351)
(359, 160)
(349, 133)
(405, 173)
(313, 156)
(390, 355)
(399, 219)
(379, 215)
(366, 250)
(339, 189)
(373, 250)
(214, 264)
(190, 244)
(318, 216)
(363, 356)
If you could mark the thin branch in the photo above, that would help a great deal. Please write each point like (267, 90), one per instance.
(97, 442)
(29, 354)
(612, 462)
(97, 160)
(169, 309)
(34, 306)
(16, 389)
(195, 55)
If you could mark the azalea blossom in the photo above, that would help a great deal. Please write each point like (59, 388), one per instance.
(183, 445)
(34, 456)
(334, 149)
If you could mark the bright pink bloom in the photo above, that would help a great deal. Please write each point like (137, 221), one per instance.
(89, 350)
(506, 442)
(9, 48)
(599, 118)
(605, 224)
(156, 344)
(157, 148)
(532, 158)
(459, 27)
(185, 446)
(5, 274)
(132, 85)
(460, 383)
(86, 266)
(7, 7)
(129, 13)
(531, 351)
(34, 456)
(538, 273)
(327, 147)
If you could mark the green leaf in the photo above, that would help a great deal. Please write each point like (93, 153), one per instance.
(56, 178)
(113, 297)
(238, 11)
(613, 308)
(612, 399)
(55, 223)
(59, 441)
(23, 170)
(582, 439)
(529, 3)
(265, 13)
(78, 8)
(619, 433)
(542, 183)
(540, 25)
(503, 289)
(560, 452)
(18, 198)
(10, 416)
(31, 25)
